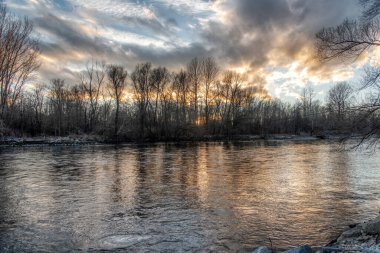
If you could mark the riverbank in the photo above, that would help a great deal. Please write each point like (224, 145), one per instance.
(363, 237)
(95, 139)
(50, 140)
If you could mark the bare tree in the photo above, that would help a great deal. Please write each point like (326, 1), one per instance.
(209, 72)
(231, 92)
(76, 109)
(38, 97)
(117, 77)
(352, 37)
(163, 105)
(92, 80)
(58, 95)
(142, 90)
(339, 99)
(18, 57)
(372, 9)
(181, 88)
(309, 108)
(158, 78)
(348, 41)
(194, 70)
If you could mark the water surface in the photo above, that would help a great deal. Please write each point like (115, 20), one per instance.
(177, 198)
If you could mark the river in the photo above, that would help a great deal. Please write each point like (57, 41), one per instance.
(219, 197)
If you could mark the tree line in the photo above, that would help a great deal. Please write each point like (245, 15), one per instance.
(153, 103)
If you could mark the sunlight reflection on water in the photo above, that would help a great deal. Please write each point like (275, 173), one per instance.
(210, 196)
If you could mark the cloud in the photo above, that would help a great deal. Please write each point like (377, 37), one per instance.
(273, 34)
(272, 40)
(73, 32)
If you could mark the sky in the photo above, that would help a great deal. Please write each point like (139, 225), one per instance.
(271, 41)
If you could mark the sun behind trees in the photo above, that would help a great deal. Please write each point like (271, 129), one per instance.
(153, 104)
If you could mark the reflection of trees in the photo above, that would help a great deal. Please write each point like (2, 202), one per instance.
(123, 176)
(143, 188)
(116, 175)
(167, 165)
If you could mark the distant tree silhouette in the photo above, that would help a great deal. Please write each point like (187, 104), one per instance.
(92, 81)
(142, 91)
(210, 71)
(58, 96)
(339, 100)
(194, 70)
(117, 77)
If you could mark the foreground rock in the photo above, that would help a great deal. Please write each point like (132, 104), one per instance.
(372, 227)
(302, 249)
(262, 249)
(364, 237)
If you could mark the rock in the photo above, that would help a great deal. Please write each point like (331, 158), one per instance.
(331, 249)
(262, 249)
(370, 251)
(353, 232)
(353, 225)
(372, 227)
(332, 242)
(302, 249)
